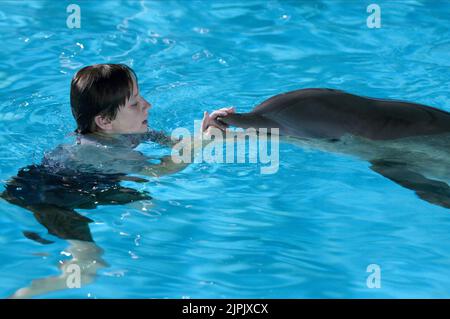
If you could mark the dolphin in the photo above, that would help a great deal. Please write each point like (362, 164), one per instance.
(406, 142)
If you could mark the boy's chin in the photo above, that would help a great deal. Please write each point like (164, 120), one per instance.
(143, 129)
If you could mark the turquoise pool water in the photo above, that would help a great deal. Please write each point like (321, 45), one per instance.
(226, 230)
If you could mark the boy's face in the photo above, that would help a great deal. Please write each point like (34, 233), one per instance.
(132, 117)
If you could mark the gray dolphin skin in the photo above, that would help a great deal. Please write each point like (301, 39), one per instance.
(408, 143)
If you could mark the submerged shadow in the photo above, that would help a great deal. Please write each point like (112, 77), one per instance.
(53, 197)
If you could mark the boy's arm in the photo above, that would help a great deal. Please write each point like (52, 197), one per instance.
(161, 138)
(192, 146)
(168, 165)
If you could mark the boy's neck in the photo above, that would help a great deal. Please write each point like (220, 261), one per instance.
(113, 139)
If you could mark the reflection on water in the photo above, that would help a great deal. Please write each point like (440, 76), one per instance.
(226, 230)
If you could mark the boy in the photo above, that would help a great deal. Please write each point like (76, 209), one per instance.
(109, 110)
(111, 118)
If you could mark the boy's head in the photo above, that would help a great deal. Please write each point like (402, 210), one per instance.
(105, 98)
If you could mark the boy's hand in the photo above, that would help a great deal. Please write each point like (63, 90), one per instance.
(211, 120)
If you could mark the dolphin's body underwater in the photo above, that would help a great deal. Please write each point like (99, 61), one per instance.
(406, 142)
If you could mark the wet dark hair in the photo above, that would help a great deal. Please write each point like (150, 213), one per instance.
(99, 89)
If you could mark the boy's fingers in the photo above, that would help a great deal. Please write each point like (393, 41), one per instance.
(211, 119)
(218, 126)
(228, 109)
(205, 121)
(217, 113)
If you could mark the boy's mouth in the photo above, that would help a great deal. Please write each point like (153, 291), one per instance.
(145, 122)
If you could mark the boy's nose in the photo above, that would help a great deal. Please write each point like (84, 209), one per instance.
(146, 105)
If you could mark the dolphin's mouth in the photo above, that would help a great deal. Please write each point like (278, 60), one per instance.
(230, 119)
(247, 120)
(221, 120)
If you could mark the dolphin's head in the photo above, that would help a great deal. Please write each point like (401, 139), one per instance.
(232, 119)
(247, 120)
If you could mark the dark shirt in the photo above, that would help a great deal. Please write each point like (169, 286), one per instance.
(80, 176)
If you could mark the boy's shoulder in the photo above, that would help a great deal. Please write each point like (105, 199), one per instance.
(95, 155)
(93, 158)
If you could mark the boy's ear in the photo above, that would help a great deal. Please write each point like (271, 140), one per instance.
(103, 122)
